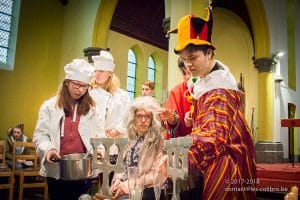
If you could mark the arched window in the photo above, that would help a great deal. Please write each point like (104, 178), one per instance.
(151, 69)
(9, 17)
(131, 73)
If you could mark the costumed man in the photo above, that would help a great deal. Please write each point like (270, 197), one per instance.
(222, 148)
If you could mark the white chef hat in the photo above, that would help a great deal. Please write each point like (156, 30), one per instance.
(79, 70)
(104, 61)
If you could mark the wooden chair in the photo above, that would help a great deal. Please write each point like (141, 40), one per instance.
(6, 174)
(31, 173)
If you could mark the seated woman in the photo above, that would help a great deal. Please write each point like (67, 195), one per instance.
(144, 149)
(16, 134)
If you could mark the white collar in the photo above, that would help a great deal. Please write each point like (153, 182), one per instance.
(214, 80)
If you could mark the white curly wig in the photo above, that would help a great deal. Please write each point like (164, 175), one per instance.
(149, 104)
(153, 141)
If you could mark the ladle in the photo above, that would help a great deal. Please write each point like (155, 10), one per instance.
(87, 153)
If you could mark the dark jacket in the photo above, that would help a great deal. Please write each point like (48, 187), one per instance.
(10, 145)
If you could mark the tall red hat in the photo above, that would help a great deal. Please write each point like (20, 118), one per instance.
(194, 30)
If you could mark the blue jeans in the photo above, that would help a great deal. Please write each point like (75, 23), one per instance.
(17, 165)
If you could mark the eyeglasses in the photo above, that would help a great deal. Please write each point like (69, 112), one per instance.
(78, 86)
(146, 117)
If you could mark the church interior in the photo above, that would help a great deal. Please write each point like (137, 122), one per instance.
(250, 37)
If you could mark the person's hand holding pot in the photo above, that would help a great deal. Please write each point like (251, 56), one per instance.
(52, 156)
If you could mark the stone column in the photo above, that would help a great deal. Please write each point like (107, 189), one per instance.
(266, 150)
(265, 67)
(175, 10)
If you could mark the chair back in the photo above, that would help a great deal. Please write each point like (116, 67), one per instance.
(29, 153)
(2, 151)
(6, 175)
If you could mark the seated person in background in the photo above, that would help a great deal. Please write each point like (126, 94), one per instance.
(15, 134)
(148, 88)
(144, 149)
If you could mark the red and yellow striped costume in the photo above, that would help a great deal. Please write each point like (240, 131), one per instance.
(222, 146)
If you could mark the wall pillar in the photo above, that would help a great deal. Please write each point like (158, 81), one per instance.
(175, 9)
(265, 67)
(268, 148)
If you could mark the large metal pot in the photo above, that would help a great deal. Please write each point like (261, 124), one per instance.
(75, 166)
